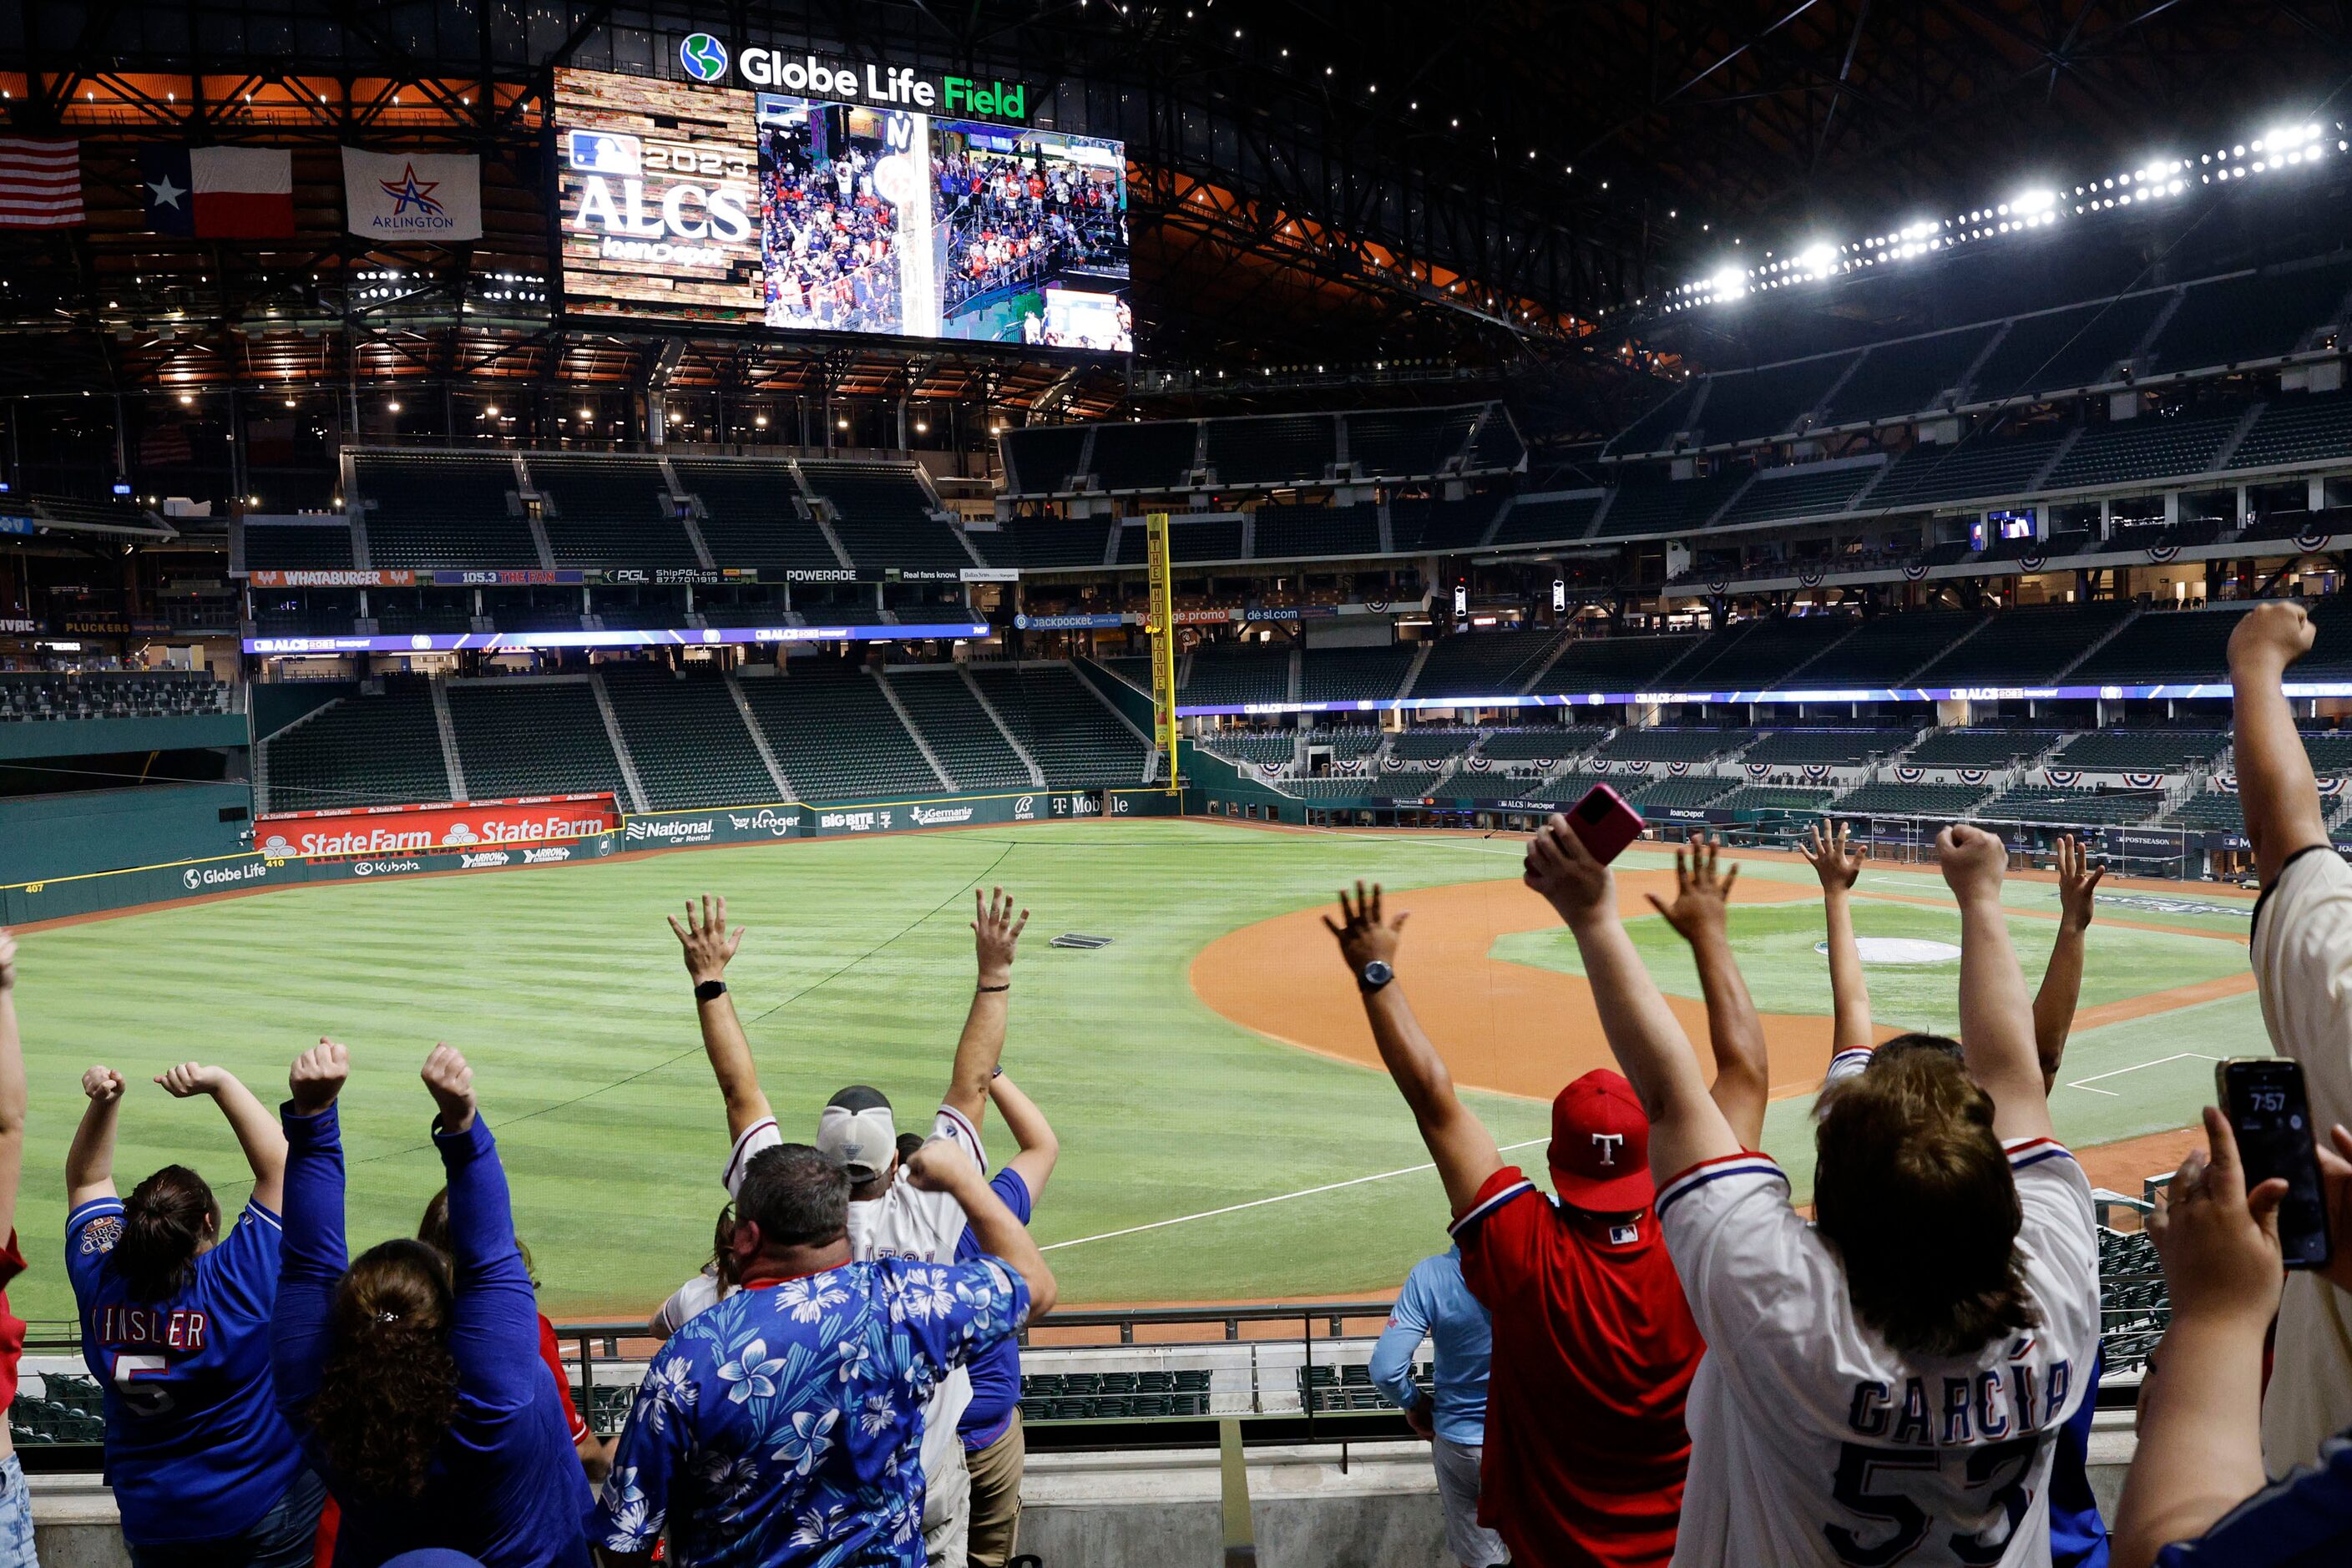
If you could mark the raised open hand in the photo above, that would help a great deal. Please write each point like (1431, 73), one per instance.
(2078, 882)
(707, 942)
(1702, 895)
(996, 932)
(451, 1082)
(1363, 930)
(1824, 848)
(317, 1076)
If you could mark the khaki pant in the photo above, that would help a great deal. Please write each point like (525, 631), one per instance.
(947, 1514)
(996, 1496)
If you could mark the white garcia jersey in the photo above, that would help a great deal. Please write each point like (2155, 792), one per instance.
(1813, 1442)
(905, 1222)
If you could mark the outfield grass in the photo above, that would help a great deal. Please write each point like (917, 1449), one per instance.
(563, 986)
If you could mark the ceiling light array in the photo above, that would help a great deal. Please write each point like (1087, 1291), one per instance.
(2160, 180)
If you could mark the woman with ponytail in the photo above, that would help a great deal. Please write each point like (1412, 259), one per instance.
(176, 1329)
(414, 1378)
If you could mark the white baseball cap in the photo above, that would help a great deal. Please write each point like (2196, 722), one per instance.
(857, 1130)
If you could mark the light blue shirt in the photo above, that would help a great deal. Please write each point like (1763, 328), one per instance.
(1436, 1305)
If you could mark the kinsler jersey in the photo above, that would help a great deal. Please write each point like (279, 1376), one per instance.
(1812, 1442)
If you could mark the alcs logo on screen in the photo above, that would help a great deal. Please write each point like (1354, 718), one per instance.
(613, 205)
(704, 56)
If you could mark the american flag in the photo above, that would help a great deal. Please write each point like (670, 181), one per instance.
(40, 182)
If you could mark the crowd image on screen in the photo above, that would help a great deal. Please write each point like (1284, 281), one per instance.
(1014, 218)
(829, 240)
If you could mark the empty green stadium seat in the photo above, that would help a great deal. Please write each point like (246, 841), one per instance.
(361, 751)
(687, 738)
(518, 736)
(835, 735)
(959, 730)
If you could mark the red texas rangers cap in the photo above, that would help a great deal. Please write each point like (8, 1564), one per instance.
(1601, 1145)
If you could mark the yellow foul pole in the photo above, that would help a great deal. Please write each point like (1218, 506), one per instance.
(1163, 631)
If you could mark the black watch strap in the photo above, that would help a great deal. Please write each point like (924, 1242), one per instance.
(709, 990)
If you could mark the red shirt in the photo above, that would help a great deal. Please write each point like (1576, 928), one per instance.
(552, 1354)
(12, 1327)
(1594, 1348)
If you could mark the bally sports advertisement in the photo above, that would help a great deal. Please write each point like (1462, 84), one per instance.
(873, 202)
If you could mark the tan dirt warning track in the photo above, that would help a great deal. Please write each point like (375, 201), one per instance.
(1511, 1027)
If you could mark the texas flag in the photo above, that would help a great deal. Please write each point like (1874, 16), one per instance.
(218, 192)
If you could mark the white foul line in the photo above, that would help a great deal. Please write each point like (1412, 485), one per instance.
(1260, 1203)
(2085, 1083)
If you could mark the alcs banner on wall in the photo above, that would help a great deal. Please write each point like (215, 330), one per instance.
(415, 829)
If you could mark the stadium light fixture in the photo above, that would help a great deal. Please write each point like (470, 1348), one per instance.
(1729, 283)
(1817, 258)
(2029, 202)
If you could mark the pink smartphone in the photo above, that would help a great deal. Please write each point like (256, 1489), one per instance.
(1605, 823)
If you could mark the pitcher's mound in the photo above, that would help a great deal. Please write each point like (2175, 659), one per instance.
(1899, 950)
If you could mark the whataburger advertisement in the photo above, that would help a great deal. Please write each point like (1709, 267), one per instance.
(420, 829)
(689, 202)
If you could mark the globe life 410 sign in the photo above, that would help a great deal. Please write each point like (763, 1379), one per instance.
(896, 86)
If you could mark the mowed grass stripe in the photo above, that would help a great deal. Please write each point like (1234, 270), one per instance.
(560, 981)
(563, 985)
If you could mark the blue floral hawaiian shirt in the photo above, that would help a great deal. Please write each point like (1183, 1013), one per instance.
(784, 1425)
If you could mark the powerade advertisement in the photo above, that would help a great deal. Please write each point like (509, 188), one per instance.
(801, 212)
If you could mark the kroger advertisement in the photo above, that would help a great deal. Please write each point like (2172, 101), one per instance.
(858, 199)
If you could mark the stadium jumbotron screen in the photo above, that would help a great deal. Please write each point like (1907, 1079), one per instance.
(697, 204)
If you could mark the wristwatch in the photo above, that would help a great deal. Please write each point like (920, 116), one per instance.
(1374, 975)
(709, 990)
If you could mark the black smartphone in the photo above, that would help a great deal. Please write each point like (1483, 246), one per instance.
(2270, 1116)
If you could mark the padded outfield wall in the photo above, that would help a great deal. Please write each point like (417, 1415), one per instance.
(202, 875)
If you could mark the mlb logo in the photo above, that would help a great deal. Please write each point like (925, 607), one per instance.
(604, 153)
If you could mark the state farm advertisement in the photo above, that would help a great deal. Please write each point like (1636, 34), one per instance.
(375, 831)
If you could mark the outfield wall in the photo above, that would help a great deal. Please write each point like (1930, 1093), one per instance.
(51, 836)
(164, 880)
